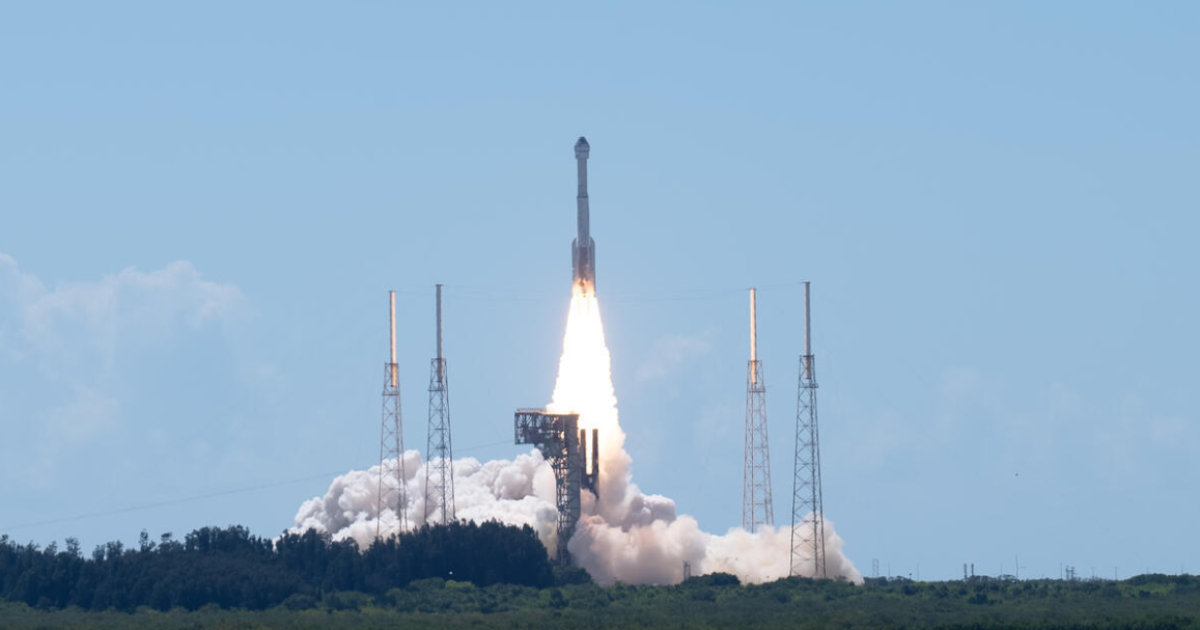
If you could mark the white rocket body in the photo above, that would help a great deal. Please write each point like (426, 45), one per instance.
(583, 248)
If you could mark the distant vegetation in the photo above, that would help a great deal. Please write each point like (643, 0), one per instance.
(232, 569)
(227, 578)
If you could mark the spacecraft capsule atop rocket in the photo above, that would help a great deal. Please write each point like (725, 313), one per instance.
(583, 248)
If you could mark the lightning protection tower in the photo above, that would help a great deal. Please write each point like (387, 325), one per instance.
(391, 439)
(439, 469)
(756, 476)
(808, 510)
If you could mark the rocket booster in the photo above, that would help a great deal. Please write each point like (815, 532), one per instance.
(583, 248)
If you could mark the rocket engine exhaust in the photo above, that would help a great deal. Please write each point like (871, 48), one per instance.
(583, 248)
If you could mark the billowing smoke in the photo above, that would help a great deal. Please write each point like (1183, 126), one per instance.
(623, 534)
(517, 492)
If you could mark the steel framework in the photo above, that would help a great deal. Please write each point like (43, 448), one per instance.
(757, 507)
(439, 469)
(391, 440)
(808, 511)
(561, 442)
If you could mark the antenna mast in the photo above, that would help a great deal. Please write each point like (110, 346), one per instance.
(391, 440)
(439, 470)
(808, 511)
(757, 507)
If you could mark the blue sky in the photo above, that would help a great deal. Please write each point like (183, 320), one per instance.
(203, 206)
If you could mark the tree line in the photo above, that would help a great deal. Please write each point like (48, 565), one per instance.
(1150, 602)
(494, 576)
(231, 568)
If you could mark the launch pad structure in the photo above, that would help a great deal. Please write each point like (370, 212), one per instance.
(808, 509)
(757, 507)
(439, 452)
(391, 439)
(564, 445)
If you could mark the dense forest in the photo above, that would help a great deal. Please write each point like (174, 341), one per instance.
(493, 576)
(233, 569)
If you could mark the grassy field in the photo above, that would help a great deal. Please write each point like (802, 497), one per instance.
(1145, 602)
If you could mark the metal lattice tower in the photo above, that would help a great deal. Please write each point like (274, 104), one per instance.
(439, 469)
(757, 508)
(808, 510)
(558, 437)
(391, 439)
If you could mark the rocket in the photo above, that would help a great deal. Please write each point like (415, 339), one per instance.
(583, 248)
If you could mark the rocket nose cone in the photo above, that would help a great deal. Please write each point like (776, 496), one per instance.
(582, 148)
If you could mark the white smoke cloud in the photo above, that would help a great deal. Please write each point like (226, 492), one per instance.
(623, 534)
(518, 492)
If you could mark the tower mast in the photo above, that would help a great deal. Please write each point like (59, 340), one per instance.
(439, 469)
(808, 510)
(391, 439)
(757, 508)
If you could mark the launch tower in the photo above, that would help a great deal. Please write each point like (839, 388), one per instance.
(439, 469)
(391, 439)
(808, 518)
(561, 442)
(757, 508)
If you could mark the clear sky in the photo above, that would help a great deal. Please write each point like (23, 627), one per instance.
(202, 207)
